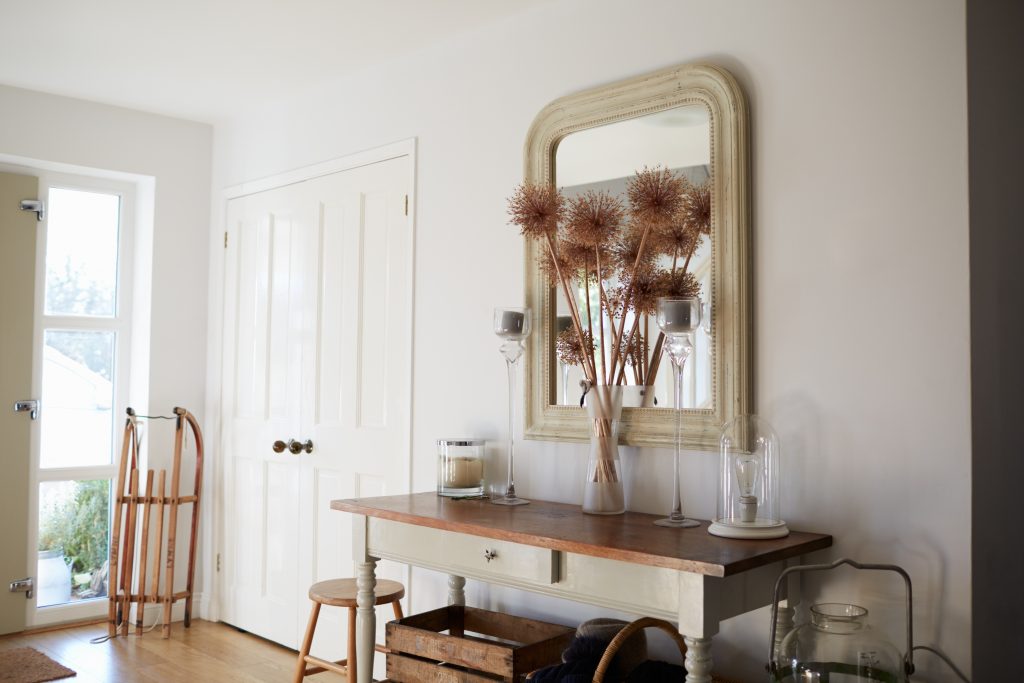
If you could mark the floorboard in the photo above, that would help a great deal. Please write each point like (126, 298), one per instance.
(205, 652)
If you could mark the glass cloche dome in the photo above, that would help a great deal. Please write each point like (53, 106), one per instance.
(748, 488)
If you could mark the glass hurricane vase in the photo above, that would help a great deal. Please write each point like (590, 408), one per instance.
(603, 493)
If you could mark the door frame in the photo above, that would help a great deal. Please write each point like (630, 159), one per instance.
(209, 602)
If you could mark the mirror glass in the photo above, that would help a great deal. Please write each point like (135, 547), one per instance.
(605, 158)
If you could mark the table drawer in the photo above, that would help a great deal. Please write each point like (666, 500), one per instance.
(466, 555)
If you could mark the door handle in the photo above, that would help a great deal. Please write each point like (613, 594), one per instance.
(279, 446)
(30, 406)
(297, 447)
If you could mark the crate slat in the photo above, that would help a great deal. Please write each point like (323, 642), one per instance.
(522, 644)
(405, 669)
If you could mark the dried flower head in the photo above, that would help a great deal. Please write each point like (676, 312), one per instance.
(547, 267)
(655, 194)
(696, 208)
(677, 283)
(594, 218)
(536, 209)
(614, 299)
(646, 290)
(626, 252)
(675, 238)
(580, 260)
(634, 350)
(569, 348)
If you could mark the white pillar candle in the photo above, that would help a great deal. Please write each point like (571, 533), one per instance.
(463, 473)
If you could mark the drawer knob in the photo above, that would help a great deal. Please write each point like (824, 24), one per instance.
(490, 554)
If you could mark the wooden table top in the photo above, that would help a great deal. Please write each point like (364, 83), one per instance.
(630, 537)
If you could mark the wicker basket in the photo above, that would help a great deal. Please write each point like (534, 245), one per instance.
(628, 631)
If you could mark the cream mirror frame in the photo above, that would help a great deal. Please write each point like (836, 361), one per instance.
(731, 263)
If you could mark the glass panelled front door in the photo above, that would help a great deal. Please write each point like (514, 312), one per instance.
(81, 362)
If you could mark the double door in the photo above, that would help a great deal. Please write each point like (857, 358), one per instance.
(317, 356)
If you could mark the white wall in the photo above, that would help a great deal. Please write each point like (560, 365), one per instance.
(176, 154)
(861, 282)
(171, 158)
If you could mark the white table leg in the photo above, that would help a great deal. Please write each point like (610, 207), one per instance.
(456, 590)
(698, 660)
(366, 619)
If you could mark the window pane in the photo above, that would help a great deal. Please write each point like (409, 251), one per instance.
(78, 396)
(81, 253)
(73, 533)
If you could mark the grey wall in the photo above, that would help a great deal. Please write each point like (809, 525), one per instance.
(995, 88)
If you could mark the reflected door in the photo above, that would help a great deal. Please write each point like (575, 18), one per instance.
(317, 349)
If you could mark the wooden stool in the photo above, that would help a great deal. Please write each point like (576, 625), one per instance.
(342, 593)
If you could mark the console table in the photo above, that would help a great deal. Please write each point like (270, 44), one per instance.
(622, 562)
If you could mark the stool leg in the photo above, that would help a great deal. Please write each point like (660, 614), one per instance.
(398, 609)
(351, 662)
(307, 643)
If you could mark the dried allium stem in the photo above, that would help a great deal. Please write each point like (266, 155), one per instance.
(591, 371)
(629, 293)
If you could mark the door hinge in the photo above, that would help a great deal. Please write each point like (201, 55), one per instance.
(406, 205)
(23, 586)
(30, 406)
(218, 561)
(34, 205)
(225, 240)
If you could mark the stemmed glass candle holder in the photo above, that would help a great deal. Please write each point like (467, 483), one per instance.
(512, 325)
(678, 318)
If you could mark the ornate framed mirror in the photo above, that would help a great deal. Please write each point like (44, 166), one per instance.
(693, 120)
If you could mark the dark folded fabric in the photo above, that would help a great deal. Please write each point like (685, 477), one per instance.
(580, 662)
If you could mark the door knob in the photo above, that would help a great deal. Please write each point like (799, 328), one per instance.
(279, 446)
(297, 447)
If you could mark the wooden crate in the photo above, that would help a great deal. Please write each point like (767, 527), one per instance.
(479, 646)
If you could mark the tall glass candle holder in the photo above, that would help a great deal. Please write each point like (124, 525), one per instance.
(678, 318)
(512, 325)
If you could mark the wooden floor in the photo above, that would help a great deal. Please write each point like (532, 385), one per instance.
(206, 652)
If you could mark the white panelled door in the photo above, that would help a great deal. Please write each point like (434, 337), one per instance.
(317, 347)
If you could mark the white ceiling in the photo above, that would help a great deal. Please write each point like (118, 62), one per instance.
(204, 59)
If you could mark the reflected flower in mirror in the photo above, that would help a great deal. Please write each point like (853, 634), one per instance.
(612, 260)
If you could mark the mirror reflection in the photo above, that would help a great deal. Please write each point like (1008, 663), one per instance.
(606, 159)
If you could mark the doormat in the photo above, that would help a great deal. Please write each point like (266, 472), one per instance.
(25, 665)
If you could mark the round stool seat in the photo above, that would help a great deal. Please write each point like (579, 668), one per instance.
(342, 592)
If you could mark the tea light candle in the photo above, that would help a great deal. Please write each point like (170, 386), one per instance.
(677, 316)
(511, 324)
